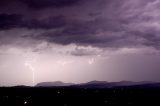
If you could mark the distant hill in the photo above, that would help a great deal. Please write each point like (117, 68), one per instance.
(93, 84)
(50, 84)
(104, 84)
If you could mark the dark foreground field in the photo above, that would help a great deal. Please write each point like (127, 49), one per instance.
(73, 96)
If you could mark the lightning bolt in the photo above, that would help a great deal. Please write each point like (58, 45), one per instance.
(30, 59)
(91, 61)
(32, 70)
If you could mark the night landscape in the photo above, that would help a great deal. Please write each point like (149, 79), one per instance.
(79, 52)
(96, 93)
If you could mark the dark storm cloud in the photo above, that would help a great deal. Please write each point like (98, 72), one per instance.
(40, 4)
(8, 21)
(148, 38)
(49, 23)
(101, 23)
(84, 33)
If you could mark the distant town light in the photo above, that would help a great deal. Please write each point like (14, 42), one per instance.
(25, 102)
(58, 92)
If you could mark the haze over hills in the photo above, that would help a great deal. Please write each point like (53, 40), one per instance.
(93, 84)
(56, 83)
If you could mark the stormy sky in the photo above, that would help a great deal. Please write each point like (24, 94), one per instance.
(79, 41)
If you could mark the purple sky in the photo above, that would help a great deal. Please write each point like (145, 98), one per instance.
(79, 41)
